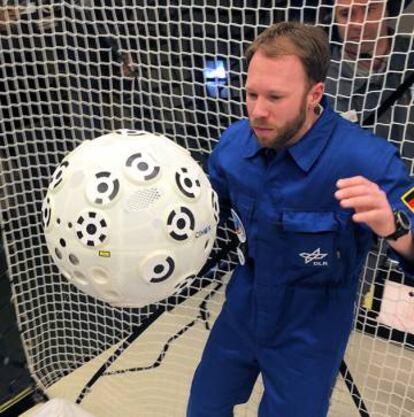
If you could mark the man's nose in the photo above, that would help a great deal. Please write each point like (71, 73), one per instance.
(358, 16)
(260, 109)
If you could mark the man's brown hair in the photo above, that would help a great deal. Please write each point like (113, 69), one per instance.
(309, 43)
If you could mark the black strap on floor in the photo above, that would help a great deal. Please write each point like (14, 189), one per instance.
(353, 390)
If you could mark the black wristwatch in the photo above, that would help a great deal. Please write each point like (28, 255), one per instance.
(402, 225)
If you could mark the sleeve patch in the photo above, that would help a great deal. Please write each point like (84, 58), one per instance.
(408, 199)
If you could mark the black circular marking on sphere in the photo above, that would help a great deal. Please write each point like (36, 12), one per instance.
(131, 132)
(62, 243)
(206, 244)
(79, 234)
(47, 216)
(142, 166)
(102, 187)
(176, 236)
(99, 201)
(58, 221)
(178, 223)
(214, 205)
(103, 223)
(185, 170)
(92, 214)
(58, 175)
(181, 285)
(190, 215)
(80, 220)
(180, 186)
(103, 174)
(185, 182)
(171, 217)
(115, 190)
(102, 238)
(73, 259)
(181, 223)
(90, 243)
(91, 229)
(183, 289)
(171, 268)
(57, 183)
(153, 174)
(70, 225)
(158, 268)
(58, 253)
(132, 158)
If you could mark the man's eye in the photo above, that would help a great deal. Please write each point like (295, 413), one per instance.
(344, 14)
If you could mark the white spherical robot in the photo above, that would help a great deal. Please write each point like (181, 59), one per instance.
(130, 218)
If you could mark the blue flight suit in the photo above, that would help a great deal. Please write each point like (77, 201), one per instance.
(289, 310)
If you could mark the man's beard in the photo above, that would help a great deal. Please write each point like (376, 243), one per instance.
(288, 131)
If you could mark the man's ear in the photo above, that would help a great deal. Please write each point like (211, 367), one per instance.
(316, 94)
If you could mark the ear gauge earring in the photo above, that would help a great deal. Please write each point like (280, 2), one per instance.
(318, 109)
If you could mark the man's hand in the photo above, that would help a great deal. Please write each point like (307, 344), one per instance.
(369, 202)
(372, 207)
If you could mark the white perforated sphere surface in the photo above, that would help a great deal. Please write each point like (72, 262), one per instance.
(130, 218)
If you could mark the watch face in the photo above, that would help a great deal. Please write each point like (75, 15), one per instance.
(403, 220)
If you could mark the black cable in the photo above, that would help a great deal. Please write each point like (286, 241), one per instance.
(389, 101)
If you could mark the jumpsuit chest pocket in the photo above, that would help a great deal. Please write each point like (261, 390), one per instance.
(304, 250)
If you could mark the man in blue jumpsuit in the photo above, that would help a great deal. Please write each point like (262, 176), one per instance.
(311, 189)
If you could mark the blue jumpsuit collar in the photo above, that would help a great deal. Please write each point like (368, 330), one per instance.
(307, 150)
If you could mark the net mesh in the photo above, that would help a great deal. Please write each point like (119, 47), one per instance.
(72, 71)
